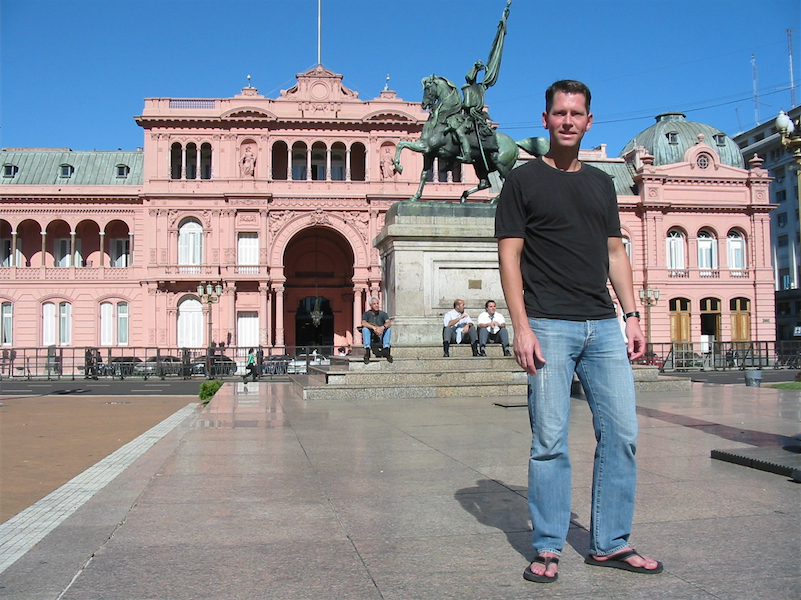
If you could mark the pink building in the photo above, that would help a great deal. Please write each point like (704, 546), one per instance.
(272, 205)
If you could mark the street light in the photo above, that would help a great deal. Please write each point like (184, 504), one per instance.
(791, 140)
(209, 294)
(649, 298)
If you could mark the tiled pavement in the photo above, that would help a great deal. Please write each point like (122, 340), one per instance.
(263, 496)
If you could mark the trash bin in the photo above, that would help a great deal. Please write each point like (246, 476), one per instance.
(753, 377)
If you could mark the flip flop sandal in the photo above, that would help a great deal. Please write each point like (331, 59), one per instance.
(529, 575)
(618, 561)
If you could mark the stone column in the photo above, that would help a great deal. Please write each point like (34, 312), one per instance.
(44, 248)
(73, 262)
(347, 163)
(130, 249)
(103, 249)
(14, 249)
(264, 316)
(279, 316)
(357, 313)
(328, 164)
(308, 163)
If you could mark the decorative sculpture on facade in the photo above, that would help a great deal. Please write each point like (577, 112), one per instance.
(459, 129)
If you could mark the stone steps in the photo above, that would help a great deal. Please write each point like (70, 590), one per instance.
(422, 372)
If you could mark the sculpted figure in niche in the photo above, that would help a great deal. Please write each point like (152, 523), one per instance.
(387, 168)
(248, 163)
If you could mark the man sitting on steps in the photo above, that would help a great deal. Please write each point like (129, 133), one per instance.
(376, 322)
(458, 327)
(492, 328)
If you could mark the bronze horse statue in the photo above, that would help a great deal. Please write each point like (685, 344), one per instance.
(438, 140)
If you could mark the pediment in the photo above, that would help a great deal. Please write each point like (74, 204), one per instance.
(394, 116)
(318, 85)
(249, 112)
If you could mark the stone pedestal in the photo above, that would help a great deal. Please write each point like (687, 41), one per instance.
(433, 253)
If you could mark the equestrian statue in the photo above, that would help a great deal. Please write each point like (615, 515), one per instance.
(458, 128)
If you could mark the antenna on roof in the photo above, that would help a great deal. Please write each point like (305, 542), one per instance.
(248, 80)
(756, 96)
(319, 29)
(386, 85)
(790, 53)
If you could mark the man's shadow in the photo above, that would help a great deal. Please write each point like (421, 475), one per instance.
(491, 505)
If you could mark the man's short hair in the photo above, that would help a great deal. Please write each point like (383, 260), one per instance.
(567, 86)
(457, 301)
(487, 303)
(374, 298)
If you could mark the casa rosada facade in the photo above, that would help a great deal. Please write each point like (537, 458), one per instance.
(272, 205)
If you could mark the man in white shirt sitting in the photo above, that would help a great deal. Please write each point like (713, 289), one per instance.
(492, 328)
(458, 327)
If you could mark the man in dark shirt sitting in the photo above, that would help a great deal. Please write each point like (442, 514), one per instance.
(376, 322)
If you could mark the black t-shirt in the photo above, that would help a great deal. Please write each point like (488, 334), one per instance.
(565, 219)
(375, 319)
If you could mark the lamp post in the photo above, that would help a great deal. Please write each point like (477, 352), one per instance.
(791, 140)
(648, 297)
(209, 294)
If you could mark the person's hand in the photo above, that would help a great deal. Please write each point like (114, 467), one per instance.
(635, 340)
(528, 352)
(465, 328)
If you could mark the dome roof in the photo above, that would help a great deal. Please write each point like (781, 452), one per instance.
(672, 135)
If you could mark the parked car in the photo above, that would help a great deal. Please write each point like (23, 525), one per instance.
(275, 365)
(297, 366)
(651, 359)
(122, 365)
(219, 363)
(155, 366)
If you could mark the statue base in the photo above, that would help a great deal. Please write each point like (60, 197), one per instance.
(433, 253)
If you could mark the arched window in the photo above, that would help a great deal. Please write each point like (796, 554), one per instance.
(190, 323)
(675, 253)
(205, 161)
(707, 254)
(279, 162)
(176, 161)
(190, 246)
(318, 161)
(338, 161)
(627, 246)
(191, 161)
(56, 324)
(358, 162)
(735, 251)
(7, 325)
(109, 325)
(299, 161)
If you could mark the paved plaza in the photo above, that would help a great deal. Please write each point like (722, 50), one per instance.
(261, 495)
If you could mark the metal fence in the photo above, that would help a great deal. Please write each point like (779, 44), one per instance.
(56, 362)
(721, 356)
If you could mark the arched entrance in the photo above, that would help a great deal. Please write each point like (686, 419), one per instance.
(318, 263)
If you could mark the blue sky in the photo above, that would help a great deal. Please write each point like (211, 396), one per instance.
(73, 73)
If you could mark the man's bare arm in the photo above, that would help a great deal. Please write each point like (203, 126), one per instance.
(527, 347)
(622, 282)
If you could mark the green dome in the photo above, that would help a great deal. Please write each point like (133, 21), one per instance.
(672, 135)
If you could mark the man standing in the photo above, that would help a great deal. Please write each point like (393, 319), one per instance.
(492, 328)
(559, 241)
(458, 327)
(376, 322)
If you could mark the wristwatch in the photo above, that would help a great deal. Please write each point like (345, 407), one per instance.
(634, 313)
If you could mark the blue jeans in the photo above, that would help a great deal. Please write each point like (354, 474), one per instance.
(386, 337)
(595, 350)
